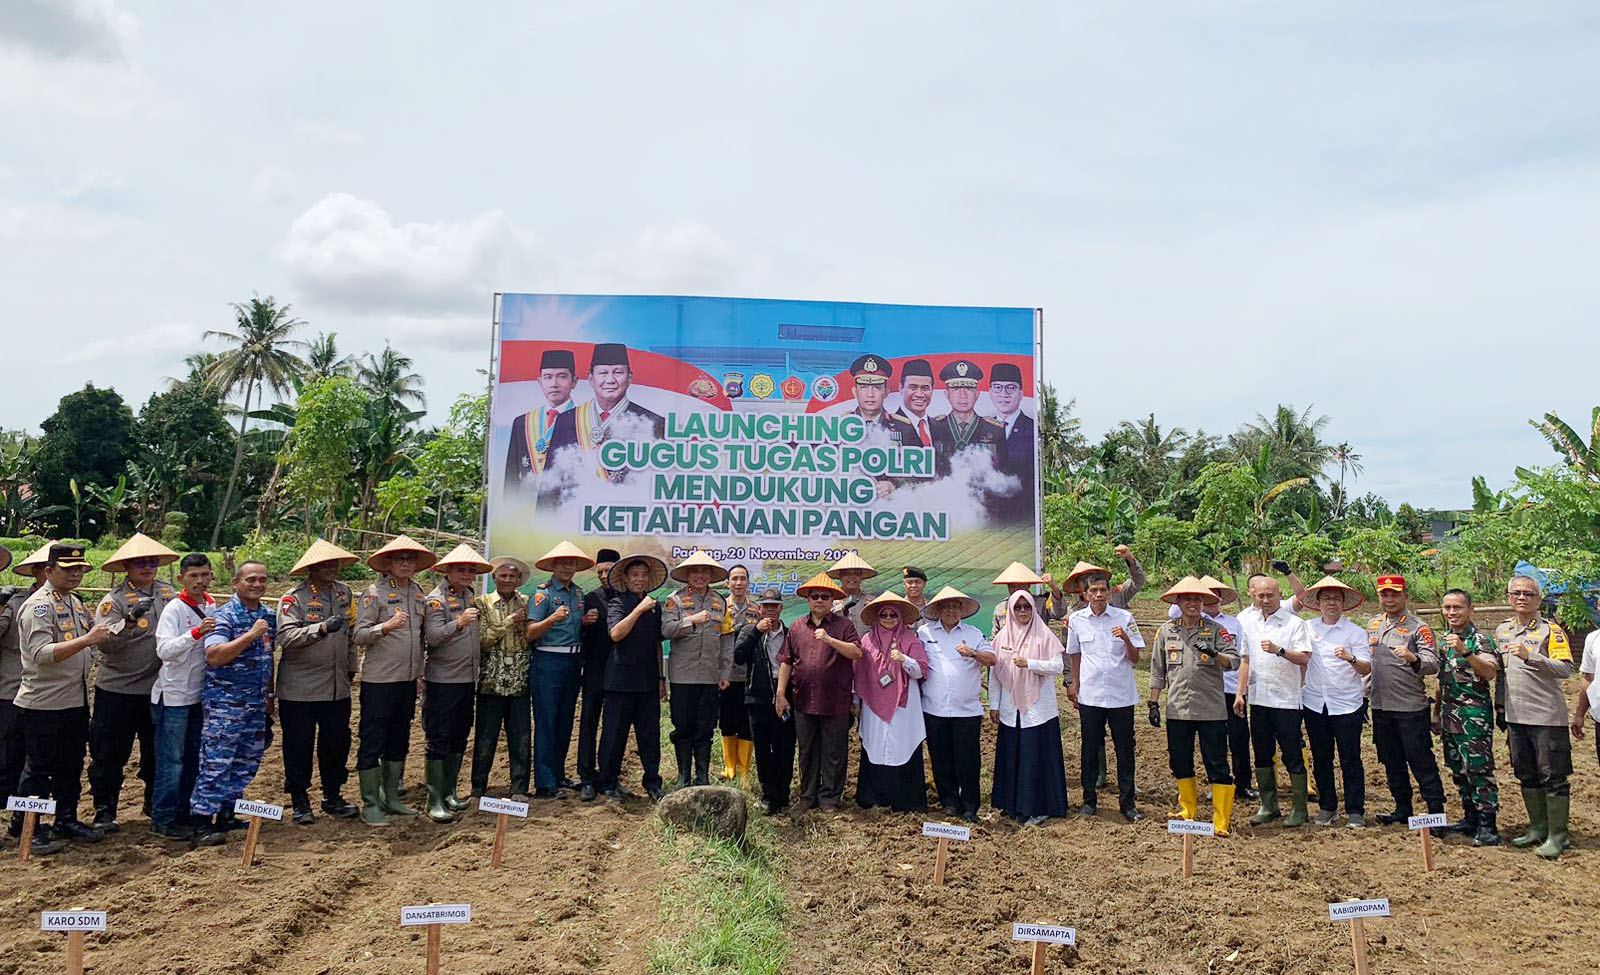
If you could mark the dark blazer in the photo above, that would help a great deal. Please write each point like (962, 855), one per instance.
(761, 681)
(596, 637)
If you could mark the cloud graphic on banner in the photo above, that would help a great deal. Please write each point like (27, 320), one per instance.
(962, 493)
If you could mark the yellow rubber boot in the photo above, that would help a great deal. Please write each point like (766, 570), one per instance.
(729, 751)
(1188, 799)
(747, 754)
(1222, 808)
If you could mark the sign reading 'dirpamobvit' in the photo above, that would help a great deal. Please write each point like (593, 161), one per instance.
(1048, 933)
(947, 831)
(1190, 827)
(30, 804)
(1350, 910)
(504, 807)
(260, 810)
(1430, 821)
(778, 434)
(436, 914)
(72, 920)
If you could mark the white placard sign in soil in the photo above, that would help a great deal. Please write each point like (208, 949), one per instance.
(1430, 821)
(1047, 933)
(1350, 910)
(260, 810)
(1190, 827)
(72, 920)
(436, 914)
(31, 804)
(947, 831)
(503, 807)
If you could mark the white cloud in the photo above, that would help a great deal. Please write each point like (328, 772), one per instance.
(684, 257)
(150, 342)
(350, 253)
(328, 133)
(40, 224)
(93, 29)
(94, 90)
(273, 186)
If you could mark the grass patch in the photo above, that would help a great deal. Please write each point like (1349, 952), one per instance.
(725, 905)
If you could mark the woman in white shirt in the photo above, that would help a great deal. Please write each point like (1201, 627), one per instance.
(1030, 771)
(887, 678)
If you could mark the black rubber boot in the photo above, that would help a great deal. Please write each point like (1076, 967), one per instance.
(685, 761)
(702, 764)
(1487, 835)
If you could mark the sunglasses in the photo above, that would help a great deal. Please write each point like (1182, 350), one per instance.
(144, 563)
(891, 613)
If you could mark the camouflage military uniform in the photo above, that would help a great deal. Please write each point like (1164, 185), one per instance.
(1466, 723)
(234, 735)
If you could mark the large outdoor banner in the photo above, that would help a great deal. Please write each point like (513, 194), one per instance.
(776, 434)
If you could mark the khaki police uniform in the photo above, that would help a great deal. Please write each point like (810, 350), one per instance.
(698, 660)
(127, 670)
(315, 667)
(391, 665)
(53, 698)
(451, 671)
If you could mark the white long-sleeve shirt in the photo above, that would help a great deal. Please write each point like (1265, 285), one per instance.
(183, 655)
(1044, 709)
(892, 742)
(952, 686)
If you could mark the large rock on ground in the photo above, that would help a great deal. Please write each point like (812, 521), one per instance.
(716, 810)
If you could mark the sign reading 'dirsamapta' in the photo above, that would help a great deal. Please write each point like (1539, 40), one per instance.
(260, 810)
(504, 807)
(946, 831)
(1430, 821)
(28, 804)
(1190, 827)
(1049, 933)
(72, 920)
(1350, 910)
(436, 914)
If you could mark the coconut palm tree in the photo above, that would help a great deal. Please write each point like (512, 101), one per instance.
(1295, 439)
(261, 357)
(323, 360)
(395, 389)
(1347, 459)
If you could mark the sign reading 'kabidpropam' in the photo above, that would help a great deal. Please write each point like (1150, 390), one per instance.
(1350, 910)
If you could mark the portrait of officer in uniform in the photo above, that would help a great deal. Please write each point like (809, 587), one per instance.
(532, 431)
(872, 374)
(962, 428)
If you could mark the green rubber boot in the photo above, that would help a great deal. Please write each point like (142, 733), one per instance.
(1556, 821)
(452, 776)
(1538, 819)
(1297, 800)
(433, 772)
(1267, 782)
(392, 771)
(371, 780)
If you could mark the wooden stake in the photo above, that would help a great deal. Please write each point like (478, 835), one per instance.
(1038, 958)
(499, 839)
(252, 837)
(74, 952)
(29, 819)
(938, 864)
(433, 949)
(1188, 854)
(1358, 944)
(1427, 849)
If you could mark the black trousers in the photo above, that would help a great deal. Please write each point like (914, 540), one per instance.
(1541, 756)
(1404, 740)
(12, 752)
(55, 742)
(593, 703)
(953, 753)
(641, 712)
(447, 718)
(822, 742)
(774, 753)
(694, 708)
(387, 708)
(1213, 737)
(1341, 731)
(322, 726)
(496, 711)
(118, 720)
(1239, 744)
(1094, 722)
(1277, 730)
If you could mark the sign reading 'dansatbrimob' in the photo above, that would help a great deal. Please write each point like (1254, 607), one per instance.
(30, 804)
(260, 810)
(1048, 933)
(72, 920)
(1430, 821)
(946, 831)
(1190, 827)
(504, 807)
(1350, 910)
(436, 914)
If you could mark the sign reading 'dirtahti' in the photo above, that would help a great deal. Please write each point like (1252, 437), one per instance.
(1350, 910)
(946, 831)
(29, 804)
(436, 914)
(260, 810)
(1430, 821)
(1048, 933)
(1190, 827)
(72, 920)
(504, 807)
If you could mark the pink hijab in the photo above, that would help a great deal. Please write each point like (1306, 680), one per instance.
(1032, 642)
(874, 662)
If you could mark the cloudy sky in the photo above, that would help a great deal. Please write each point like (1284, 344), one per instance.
(1387, 209)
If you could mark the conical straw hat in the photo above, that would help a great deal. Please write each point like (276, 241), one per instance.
(699, 558)
(466, 555)
(1017, 574)
(618, 579)
(566, 550)
(969, 606)
(323, 551)
(1188, 586)
(908, 610)
(140, 546)
(1075, 577)
(1352, 597)
(515, 563)
(820, 582)
(1224, 592)
(39, 558)
(379, 561)
(5, 557)
(852, 561)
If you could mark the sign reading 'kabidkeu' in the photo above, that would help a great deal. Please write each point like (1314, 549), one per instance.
(260, 810)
